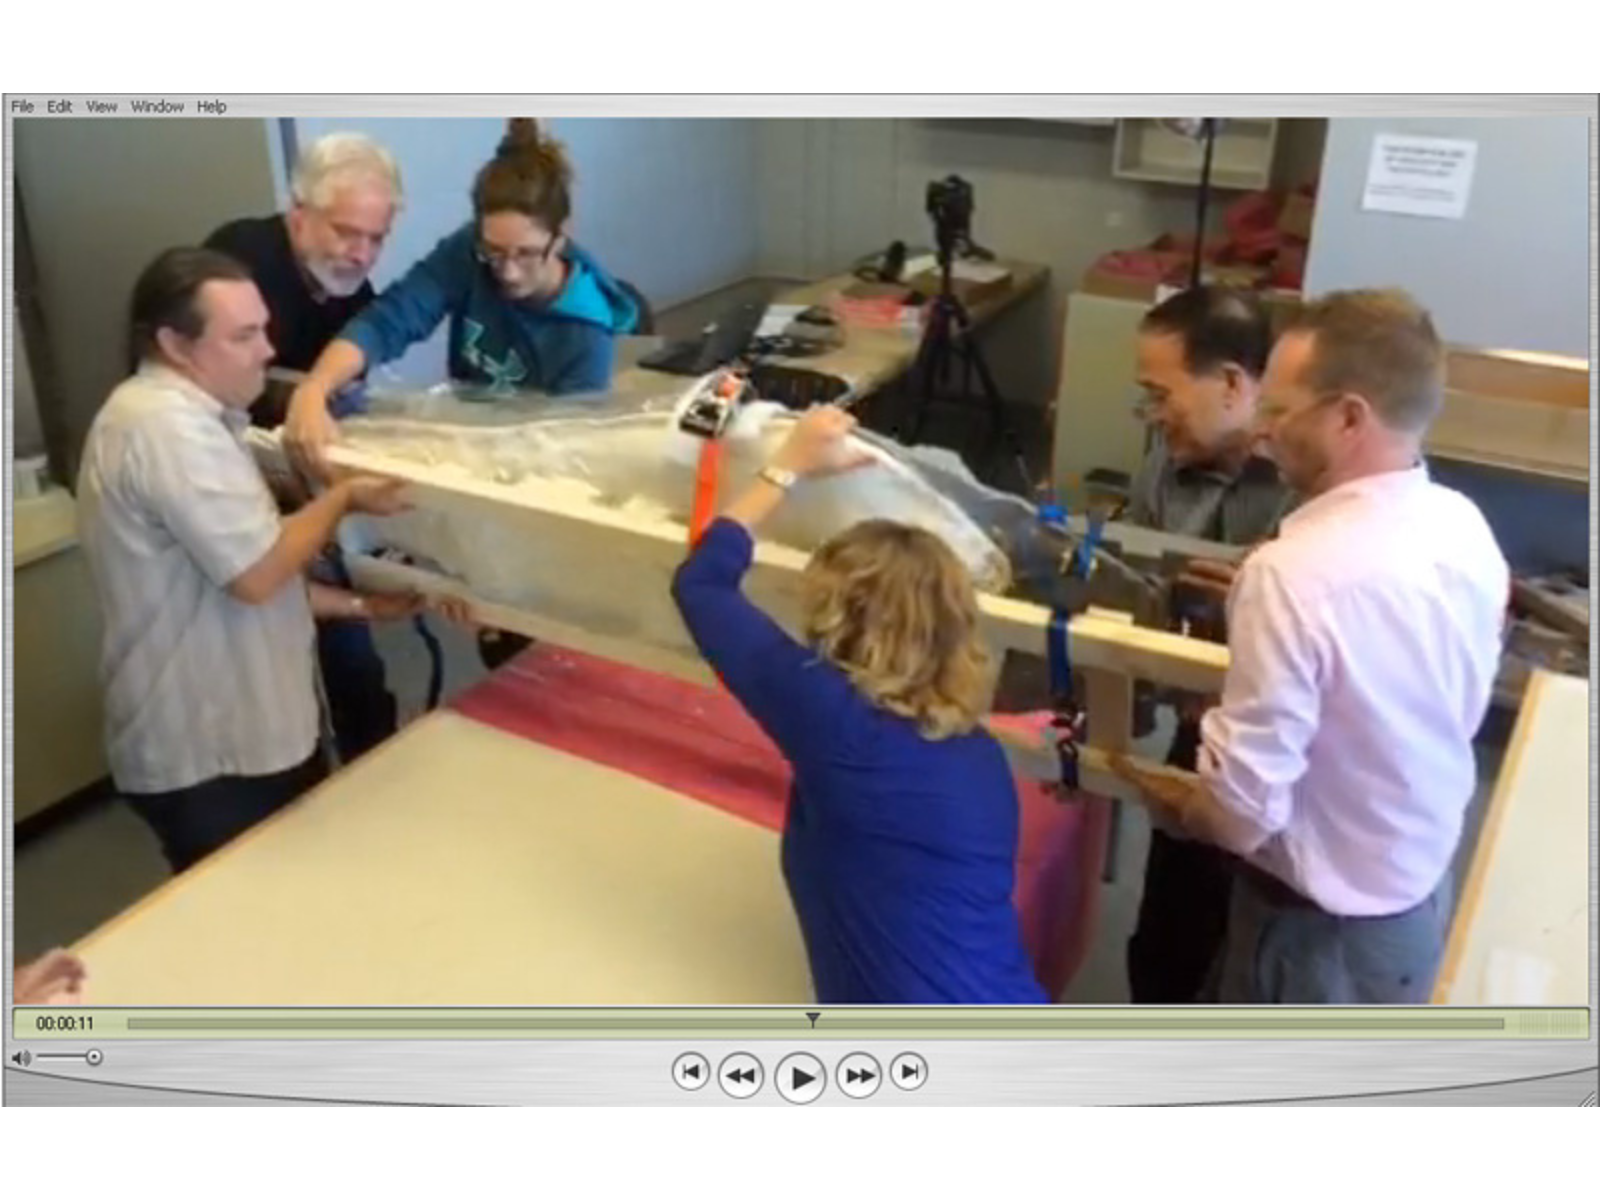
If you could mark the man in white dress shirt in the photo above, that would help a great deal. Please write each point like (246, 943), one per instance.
(1364, 643)
(211, 700)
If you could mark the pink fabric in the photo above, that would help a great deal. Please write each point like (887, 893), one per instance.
(697, 741)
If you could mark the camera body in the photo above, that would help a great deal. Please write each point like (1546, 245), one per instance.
(950, 204)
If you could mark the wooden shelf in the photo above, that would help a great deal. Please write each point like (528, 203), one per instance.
(1527, 413)
(1146, 150)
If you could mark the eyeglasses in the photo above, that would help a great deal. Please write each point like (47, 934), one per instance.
(1145, 405)
(522, 258)
(1271, 413)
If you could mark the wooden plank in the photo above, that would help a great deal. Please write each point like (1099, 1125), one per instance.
(615, 571)
(1521, 932)
(1109, 696)
(1566, 612)
(1550, 379)
(1512, 434)
(1152, 545)
(1029, 754)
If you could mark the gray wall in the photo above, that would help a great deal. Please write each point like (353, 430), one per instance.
(27, 438)
(103, 198)
(833, 190)
(1513, 273)
(668, 205)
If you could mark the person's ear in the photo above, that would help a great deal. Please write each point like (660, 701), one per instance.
(1235, 384)
(173, 345)
(1354, 411)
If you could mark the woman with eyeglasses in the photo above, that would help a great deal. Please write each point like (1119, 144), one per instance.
(528, 309)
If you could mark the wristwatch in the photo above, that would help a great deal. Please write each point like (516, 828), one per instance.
(778, 477)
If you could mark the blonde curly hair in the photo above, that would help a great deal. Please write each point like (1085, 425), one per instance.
(894, 608)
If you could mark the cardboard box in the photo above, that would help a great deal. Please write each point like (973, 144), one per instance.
(1281, 304)
(1097, 282)
(865, 289)
(969, 291)
(1294, 219)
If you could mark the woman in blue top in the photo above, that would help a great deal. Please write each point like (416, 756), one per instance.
(528, 309)
(901, 841)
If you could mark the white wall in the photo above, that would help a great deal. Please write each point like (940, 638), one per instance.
(1512, 274)
(668, 205)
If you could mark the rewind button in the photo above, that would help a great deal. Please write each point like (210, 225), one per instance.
(740, 1076)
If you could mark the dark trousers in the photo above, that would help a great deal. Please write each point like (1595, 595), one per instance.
(1183, 914)
(360, 706)
(192, 822)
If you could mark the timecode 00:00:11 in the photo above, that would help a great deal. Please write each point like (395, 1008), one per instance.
(63, 1023)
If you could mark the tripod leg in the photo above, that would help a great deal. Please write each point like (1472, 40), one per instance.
(1000, 427)
(932, 365)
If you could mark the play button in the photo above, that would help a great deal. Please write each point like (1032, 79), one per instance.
(801, 1078)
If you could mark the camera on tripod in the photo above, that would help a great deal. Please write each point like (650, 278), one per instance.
(949, 359)
(950, 204)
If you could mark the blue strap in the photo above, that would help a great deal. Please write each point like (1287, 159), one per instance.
(1090, 543)
(1060, 657)
(1068, 721)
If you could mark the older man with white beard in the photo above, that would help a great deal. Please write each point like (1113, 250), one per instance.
(312, 263)
(311, 266)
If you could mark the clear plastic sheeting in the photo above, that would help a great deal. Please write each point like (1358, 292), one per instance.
(627, 453)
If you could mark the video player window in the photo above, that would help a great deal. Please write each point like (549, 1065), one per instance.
(508, 583)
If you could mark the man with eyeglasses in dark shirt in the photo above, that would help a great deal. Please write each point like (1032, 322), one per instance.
(1201, 355)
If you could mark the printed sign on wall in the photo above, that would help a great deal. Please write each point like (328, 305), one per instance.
(1420, 176)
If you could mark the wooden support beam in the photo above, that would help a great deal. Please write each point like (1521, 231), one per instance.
(1030, 753)
(620, 565)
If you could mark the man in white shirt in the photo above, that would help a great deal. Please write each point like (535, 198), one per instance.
(211, 698)
(1364, 644)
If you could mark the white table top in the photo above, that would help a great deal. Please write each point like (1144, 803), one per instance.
(1522, 928)
(460, 865)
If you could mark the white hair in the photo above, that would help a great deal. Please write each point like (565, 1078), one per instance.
(339, 158)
